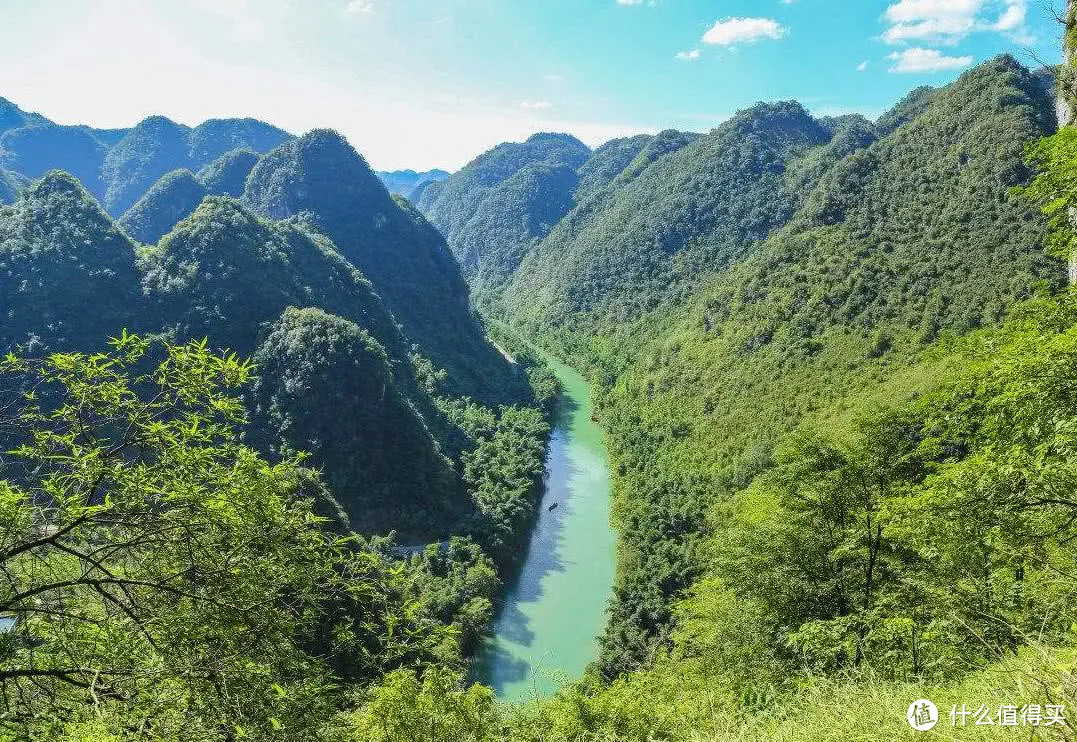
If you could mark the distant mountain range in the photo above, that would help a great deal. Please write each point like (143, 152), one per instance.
(406, 182)
(119, 165)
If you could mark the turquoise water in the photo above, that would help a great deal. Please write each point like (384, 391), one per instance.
(547, 629)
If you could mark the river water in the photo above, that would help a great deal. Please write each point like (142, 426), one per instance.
(546, 631)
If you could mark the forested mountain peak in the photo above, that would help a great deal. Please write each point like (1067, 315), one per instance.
(709, 203)
(505, 159)
(37, 147)
(169, 200)
(498, 204)
(61, 254)
(834, 124)
(906, 109)
(928, 201)
(322, 177)
(225, 273)
(319, 172)
(686, 204)
(213, 138)
(11, 116)
(120, 165)
(450, 203)
(607, 162)
(782, 124)
(156, 145)
(661, 144)
(227, 175)
(327, 385)
(556, 140)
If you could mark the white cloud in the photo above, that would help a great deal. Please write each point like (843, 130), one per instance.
(688, 55)
(743, 30)
(862, 66)
(358, 6)
(917, 59)
(950, 21)
(636, 2)
(536, 105)
(1013, 17)
(937, 20)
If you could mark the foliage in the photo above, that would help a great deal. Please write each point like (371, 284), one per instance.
(172, 198)
(67, 275)
(1054, 188)
(625, 251)
(503, 474)
(674, 701)
(161, 575)
(325, 386)
(227, 175)
(458, 583)
(322, 177)
(431, 709)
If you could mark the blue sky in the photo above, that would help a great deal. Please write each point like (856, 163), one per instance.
(431, 83)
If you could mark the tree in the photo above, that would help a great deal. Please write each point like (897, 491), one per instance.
(160, 575)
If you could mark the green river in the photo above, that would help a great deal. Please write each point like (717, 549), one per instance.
(546, 631)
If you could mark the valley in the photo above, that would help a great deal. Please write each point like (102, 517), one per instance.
(758, 432)
(546, 629)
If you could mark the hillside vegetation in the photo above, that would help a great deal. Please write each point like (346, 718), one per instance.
(339, 379)
(172, 198)
(321, 177)
(835, 360)
(819, 350)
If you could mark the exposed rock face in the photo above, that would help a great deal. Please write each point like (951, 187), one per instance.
(1066, 100)
(1067, 76)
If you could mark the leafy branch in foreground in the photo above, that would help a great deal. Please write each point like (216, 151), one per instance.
(158, 574)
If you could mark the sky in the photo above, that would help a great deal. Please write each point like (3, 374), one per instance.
(433, 83)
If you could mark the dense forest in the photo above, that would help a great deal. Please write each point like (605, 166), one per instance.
(271, 486)
(808, 337)
(292, 402)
